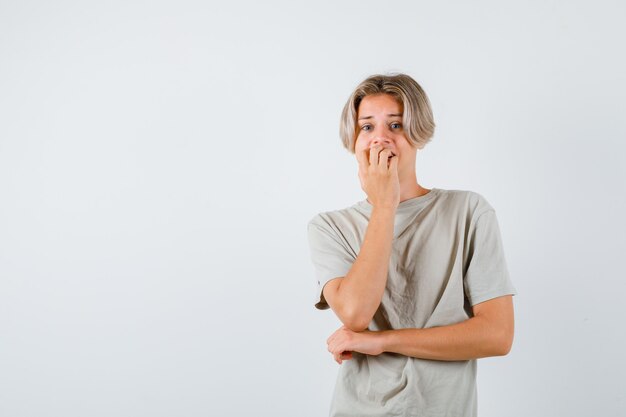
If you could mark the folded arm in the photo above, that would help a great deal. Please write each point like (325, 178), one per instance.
(488, 333)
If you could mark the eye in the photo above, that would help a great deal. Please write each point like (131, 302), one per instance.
(364, 127)
(396, 123)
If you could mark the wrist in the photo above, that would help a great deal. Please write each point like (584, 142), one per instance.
(384, 208)
(382, 339)
(383, 212)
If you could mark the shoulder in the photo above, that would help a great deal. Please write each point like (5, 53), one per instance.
(333, 219)
(469, 202)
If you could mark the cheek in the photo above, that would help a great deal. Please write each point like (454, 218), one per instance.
(361, 143)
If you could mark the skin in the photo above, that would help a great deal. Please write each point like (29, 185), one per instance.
(377, 132)
(386, 162)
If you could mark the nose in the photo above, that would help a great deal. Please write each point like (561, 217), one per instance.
(380, 136)
(380, 141)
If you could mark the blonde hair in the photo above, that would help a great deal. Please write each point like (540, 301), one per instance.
(417, 117)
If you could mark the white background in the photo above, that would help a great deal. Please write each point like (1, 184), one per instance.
(159, 162)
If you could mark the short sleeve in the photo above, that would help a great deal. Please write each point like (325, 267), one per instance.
(330, 256)
(487, 275)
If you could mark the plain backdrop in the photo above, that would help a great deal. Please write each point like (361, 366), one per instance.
(159, 161)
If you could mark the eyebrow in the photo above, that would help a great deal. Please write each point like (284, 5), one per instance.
(390, 114)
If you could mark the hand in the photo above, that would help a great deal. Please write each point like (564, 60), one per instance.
(344, 341)
(378, 173)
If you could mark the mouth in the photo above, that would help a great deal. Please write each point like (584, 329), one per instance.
(392, 154)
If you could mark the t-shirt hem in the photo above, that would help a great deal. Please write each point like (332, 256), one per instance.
(490, 295)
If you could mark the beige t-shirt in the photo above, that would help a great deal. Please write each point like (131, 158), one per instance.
(447, 255)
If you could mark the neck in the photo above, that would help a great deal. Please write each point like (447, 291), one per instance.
(410, 188)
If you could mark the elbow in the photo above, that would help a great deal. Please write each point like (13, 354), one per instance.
(503, 344)
(356, 326)
(356, 321)
(353, 313)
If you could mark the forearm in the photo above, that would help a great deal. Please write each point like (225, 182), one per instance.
(471, 339)
(362, 289)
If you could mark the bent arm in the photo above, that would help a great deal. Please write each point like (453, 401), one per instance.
(488, 333)
(356, 297)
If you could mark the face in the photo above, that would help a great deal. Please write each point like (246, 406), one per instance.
(379, 120)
